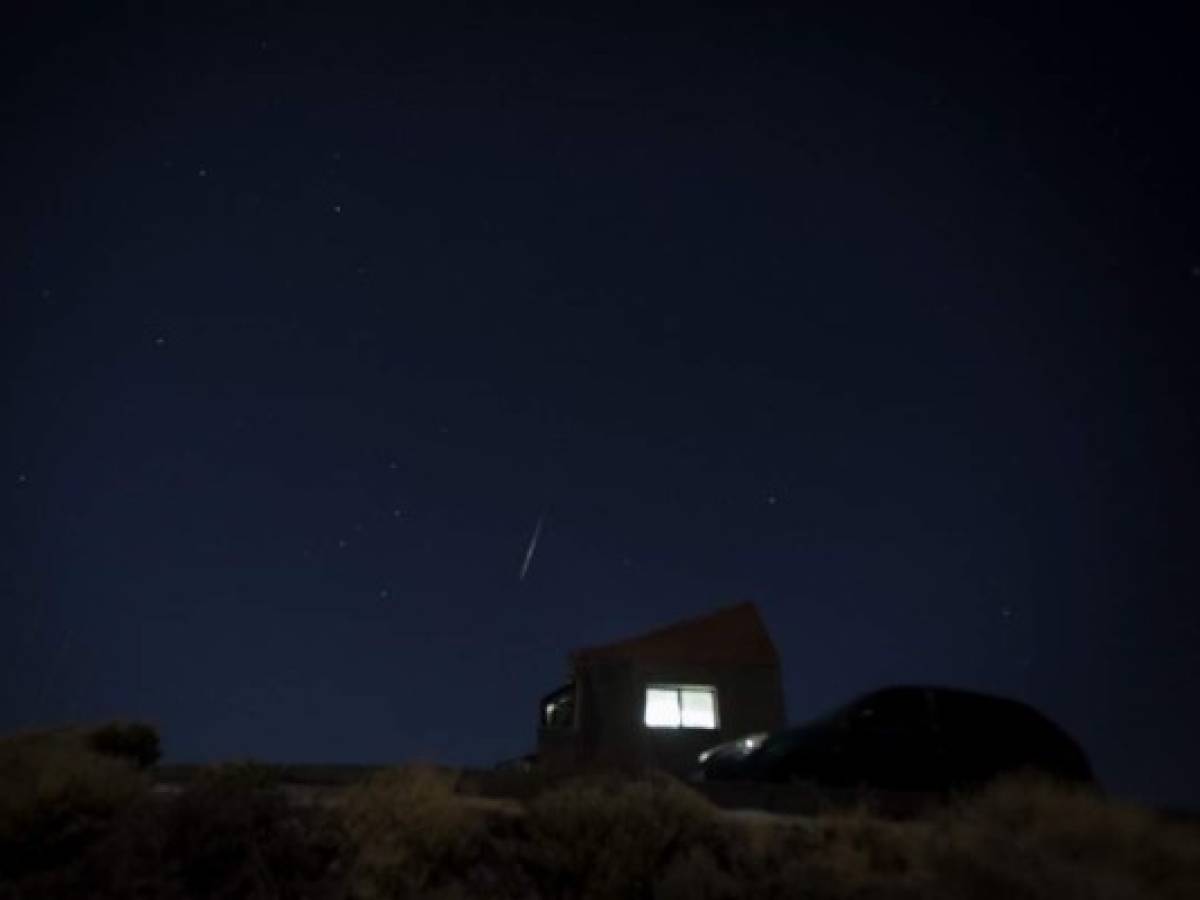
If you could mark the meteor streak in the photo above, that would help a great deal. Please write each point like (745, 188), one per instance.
(537, 533)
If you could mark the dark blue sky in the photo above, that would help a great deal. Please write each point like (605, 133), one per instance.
(886, 324)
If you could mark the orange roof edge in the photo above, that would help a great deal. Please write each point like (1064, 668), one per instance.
(732, 635)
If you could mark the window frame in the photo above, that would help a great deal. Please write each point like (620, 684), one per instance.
(678, 689)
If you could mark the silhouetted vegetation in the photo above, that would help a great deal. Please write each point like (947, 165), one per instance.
(134, 741)
(77, 823)
(57, 798)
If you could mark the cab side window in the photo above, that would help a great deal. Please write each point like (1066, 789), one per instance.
(558, 709)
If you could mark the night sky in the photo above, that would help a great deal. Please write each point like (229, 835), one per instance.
(886, 323)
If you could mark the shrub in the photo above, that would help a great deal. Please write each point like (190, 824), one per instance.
(217, 841)
(694, 875)
(227, 837)
(57, 797)
(75, 822)
(1045, 838)
(609, 836)
(412, 834)
(1022, 839)
(134, 741)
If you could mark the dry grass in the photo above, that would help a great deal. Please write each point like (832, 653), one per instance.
(74, 823)
(1019, 839)
(412, 836)
(57, 797)
(1041, 839)
(610, 836)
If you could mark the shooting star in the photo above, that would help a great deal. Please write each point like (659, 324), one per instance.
(537, 533)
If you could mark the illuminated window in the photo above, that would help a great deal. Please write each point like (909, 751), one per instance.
(681, 706)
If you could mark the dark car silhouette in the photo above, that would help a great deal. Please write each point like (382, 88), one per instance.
(906, 738)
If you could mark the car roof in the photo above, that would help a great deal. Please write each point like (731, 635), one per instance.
(994, 704)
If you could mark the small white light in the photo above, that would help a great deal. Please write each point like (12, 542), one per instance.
(752, 741)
